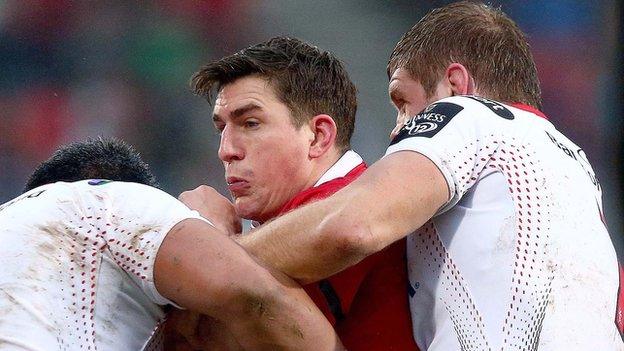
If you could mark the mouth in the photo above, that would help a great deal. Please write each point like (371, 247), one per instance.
(237, 186)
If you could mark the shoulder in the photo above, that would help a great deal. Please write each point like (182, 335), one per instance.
(473, 105)
(112, 189)
(125, 199)
(455, 117)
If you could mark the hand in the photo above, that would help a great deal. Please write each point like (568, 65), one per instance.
(214, 207)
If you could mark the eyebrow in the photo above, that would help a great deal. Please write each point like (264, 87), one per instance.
(238, 112)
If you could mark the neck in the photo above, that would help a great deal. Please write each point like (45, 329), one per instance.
(322, 164)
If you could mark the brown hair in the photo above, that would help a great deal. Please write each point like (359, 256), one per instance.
(483, 39)
(307, 80)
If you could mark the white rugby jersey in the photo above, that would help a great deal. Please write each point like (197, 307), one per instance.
(519, 258)
(76, 265)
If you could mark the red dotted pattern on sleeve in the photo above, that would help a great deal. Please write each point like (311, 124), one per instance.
(85, 247)
(89, 240)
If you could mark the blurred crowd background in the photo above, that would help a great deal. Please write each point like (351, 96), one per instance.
(74, 69)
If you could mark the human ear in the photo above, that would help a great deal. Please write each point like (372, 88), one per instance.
(324, 131)
(459, 80)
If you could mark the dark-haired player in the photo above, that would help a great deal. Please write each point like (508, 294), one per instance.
(285, 142)
(88, 264)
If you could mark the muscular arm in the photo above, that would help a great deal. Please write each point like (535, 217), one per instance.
(201, 269)
(394, 197)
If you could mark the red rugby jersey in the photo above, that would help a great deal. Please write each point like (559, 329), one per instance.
(368, 302)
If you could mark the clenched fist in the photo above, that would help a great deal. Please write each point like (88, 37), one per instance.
(214, 207)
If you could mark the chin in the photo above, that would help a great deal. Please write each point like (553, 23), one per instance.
(252, 214)
(247, 208)
(245, 211)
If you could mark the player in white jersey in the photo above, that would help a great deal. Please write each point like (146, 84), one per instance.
(518, 256)
(89, 265)
(508, 250)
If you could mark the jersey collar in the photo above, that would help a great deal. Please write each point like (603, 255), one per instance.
(530, 109)
(344, 165)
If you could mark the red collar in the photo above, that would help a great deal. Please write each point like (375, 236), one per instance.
(324, 190)
(528, 108)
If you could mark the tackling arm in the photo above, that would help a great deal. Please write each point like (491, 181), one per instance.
(394, 197)
(201, 269)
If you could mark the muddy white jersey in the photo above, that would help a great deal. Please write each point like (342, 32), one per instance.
(519, 258)
(77, 265)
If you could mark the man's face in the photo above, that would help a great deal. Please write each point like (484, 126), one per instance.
(409, 97)
(264, 155)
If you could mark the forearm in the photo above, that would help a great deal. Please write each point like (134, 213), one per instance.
(204, 271)
(308, 251)
(283, 325)
(289, 320)
(391, 199)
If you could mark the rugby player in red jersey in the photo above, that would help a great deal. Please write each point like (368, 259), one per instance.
(285, 111)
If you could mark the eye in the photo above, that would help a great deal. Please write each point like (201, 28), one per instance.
(219, 128)
(397, 101)
(251, 123)
(400, 105)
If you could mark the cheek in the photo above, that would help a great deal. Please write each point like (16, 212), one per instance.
(416, 102)
(286, 165)
(278, 159)
(413, 109)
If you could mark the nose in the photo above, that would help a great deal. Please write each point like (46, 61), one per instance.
(230, 147)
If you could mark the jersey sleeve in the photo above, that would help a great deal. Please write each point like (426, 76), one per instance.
(459, 135)
(138, 218)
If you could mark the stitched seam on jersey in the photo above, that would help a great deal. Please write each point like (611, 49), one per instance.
(462, 326)
(525, 337)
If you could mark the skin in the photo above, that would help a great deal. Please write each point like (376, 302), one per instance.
(267, 159)
(194, 331)
(265, 310)
(408, 96)
(229, 222)
(310, 243)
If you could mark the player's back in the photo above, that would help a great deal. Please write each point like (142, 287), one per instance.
(579, 266)
(519, 257)
(566, 230)
(77, 266)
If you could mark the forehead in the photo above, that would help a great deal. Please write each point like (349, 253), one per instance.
(243, 91)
